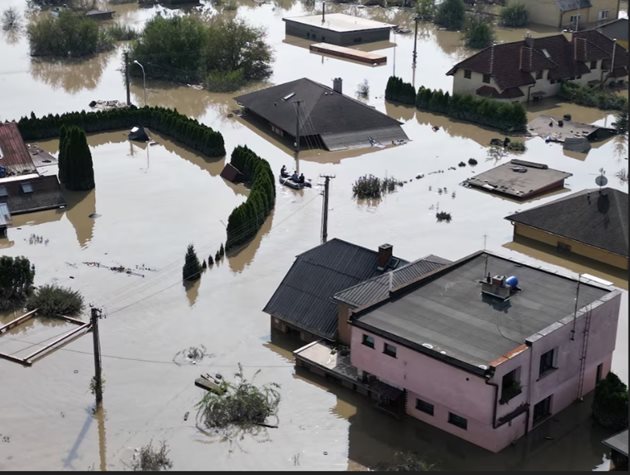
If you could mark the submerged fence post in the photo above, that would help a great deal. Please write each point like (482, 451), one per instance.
(98, 387)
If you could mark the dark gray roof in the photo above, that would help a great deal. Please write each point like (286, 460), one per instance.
(599, 220)
(566, 5)
(447, 311)
(304, 297)
(618, 442)
(377, 288)
(338, 119)
(45, 194)
(616, 29)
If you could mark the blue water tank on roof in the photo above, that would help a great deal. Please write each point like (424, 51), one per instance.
(512, 281)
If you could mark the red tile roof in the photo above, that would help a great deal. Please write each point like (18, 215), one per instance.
(14, 155)
(511, 64)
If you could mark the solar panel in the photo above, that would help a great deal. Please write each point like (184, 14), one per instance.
(27, 188)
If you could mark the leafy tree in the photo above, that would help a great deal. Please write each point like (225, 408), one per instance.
(68, 34)
(78, 167)
(621, 122)
(451, 14)
(514, 15)
(478, 32)
(610, 404)
(192, 267)
(16, 281)
(53, 300)
(223, 53)
(425, 9)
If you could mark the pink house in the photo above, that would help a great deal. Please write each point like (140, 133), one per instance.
(486, 348)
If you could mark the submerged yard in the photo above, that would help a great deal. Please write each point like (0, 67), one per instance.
(151, 201)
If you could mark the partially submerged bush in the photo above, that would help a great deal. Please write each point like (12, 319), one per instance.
(192, 266)
(516, 146)
(443, 216)
(53, 300)
(369, 186)
(241, 403)
(121, 32)
(610, 404)
(149, 459)
(478, 32)
(514, 15)
(406, 462)
(16, 281)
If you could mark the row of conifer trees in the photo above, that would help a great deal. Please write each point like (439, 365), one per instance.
(247, 218)
(505, 116)
(181, 128)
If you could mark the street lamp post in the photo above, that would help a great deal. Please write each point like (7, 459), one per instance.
(144, 81)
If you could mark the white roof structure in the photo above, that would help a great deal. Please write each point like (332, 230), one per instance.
(340, 22)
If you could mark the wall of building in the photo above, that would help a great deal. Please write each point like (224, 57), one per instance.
(546, 12)
(343, 327)
(325, 35)
(562, 383)
(579, 248)
(453, 390)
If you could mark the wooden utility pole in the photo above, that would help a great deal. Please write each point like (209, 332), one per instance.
(297, 136)
(98, 387)
(126, 55)
(325, 207)
(415, 41)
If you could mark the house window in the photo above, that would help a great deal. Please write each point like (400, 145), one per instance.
(458, 421)
(602, 15)
(467, 73)
(552, 81)
(575, 18)
(539, 74)
(542, 410)
(510, 385)
(593, 64)
(26, 188)
(486, 78)
(424, 406)
(368, 340)
(547, 362)
(389, 350)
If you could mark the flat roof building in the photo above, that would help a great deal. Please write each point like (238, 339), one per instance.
(487, 348)
(519, 179)
(337, 28)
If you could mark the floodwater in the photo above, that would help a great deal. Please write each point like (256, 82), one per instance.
(151, 201)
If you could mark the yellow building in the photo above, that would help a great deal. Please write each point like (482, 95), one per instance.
(590, 223)
(569, 13)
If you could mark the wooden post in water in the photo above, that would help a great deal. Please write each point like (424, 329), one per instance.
(98, 388)
(325, 207)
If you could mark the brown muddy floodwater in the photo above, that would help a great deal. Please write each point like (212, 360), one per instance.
(151, 201)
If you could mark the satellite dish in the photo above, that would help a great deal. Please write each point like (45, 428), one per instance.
(601, 180)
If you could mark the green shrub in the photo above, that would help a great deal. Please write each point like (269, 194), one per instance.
(16, 281)
(425, 9)
(68, 34)
(53, 300)
(592, 96)
(219, 81)
(399, 91)
(514, 15)
(121, 32)
(478, 33)
(451, 14)
(610, 404)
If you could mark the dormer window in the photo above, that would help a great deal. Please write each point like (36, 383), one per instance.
(486, 78)
(467, 73)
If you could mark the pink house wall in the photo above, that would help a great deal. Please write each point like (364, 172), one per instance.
(451, 389)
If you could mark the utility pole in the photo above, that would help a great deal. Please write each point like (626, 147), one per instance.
(297, 136)
(98, 388)
(325, 207)
(415, 42)
(126, 55)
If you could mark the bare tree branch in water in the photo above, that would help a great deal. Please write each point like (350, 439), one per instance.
(148, 459)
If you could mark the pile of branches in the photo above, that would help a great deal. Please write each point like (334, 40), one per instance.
(152, 460)
(240, 403)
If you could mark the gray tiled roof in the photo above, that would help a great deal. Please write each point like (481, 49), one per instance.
(618, 442)
(586, 216)
(339, 120)
(377, 288)
(304, 297)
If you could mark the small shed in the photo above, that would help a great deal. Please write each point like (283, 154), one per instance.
(138, 133)
(618, 445)
(231, 173)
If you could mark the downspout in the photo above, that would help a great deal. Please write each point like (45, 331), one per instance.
(529, 90)
(496, 400)
(530, 384)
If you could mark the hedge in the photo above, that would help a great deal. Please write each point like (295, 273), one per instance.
(169, 122)
(506, 116)
(247, 218)
(592, 97)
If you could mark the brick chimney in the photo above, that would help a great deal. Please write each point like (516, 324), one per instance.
(337, 85)
(385, 252)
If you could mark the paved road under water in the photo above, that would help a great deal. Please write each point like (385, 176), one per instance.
(152, 200)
